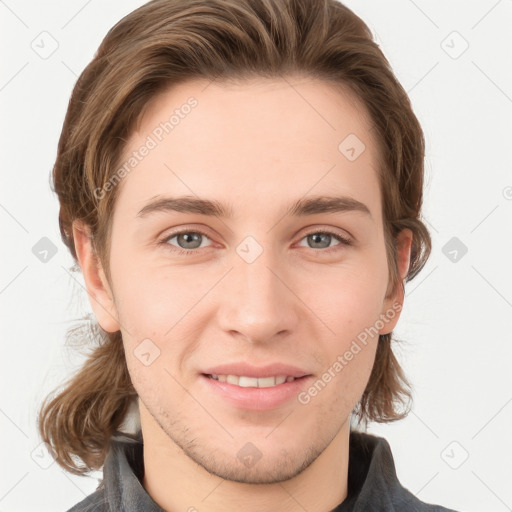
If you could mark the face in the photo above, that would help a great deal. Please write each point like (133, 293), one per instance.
(253, 283)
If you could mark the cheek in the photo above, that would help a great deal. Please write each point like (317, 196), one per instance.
(347, 299)
(349, 305)
(152, 296)
(347, 354)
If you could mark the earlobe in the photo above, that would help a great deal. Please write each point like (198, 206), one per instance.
(99, 292)
(393, 305)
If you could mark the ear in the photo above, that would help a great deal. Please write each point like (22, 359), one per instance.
(100, 294)
(392, 305)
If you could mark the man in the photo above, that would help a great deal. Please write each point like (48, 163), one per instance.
(239, 251)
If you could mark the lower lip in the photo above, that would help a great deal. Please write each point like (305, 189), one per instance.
(257, 399)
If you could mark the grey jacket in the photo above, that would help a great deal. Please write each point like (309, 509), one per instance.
(372, 481)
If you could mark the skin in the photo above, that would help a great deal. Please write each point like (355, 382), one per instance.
(256, 145)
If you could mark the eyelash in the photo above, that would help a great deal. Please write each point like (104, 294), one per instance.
(188, 252)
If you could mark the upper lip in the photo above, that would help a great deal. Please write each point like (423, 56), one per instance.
(247, 370)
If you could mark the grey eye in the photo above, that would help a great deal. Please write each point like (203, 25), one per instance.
(319, 240)
(189, 240)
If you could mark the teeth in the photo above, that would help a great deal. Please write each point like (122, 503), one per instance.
(253, 382)
(247, 382)
(232, 379)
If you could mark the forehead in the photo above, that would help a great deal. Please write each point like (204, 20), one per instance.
(250, 143)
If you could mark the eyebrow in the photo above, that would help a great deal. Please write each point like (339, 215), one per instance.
(311, 205)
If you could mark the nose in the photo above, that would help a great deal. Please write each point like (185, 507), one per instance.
(256, 301)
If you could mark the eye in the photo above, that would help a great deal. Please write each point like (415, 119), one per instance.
(323, 239)
(187, 241)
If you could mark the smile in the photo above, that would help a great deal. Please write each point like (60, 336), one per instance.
(253, 382)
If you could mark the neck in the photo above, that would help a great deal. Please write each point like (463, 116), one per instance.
(177, 483)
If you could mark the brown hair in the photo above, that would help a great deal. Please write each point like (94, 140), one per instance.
(165, 42)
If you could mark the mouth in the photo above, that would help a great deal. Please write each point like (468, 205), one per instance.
(255, 393)
(257, 388)
(244, 381)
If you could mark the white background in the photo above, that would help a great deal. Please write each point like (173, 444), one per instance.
(457, 317)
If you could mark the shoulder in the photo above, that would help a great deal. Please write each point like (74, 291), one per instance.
(95, 502)
(373, 481)
(406, 501)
